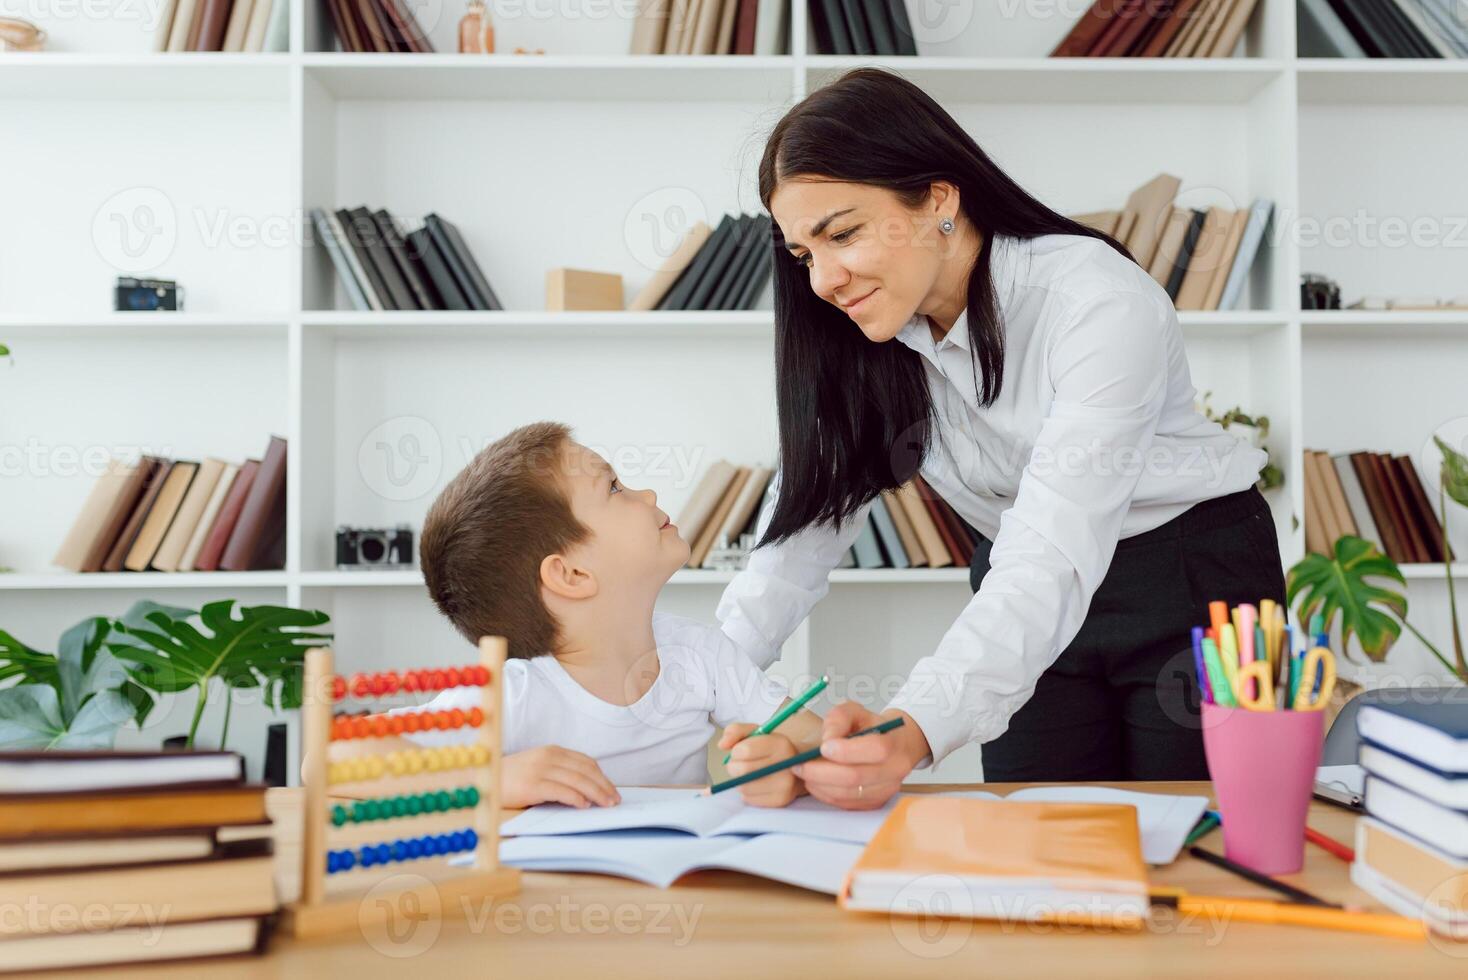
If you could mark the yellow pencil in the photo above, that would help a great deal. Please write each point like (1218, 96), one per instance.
(1291, 914)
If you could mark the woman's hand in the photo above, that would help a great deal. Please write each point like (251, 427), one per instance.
(862, 773)
(776, 789)
(551, 774)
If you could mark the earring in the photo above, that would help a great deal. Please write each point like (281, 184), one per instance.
(946, 226)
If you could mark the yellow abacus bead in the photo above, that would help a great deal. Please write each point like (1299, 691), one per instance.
(363, 768)
(415, 762)
(334, 773)
(375, 767)
(433, 760)
(396, 764)
(461, 756)
(480, 755)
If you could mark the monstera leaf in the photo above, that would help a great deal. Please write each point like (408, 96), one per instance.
(1338, 585)
(76, 699)
(248, 646)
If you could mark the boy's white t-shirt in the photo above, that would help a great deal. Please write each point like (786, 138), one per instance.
(704, 681)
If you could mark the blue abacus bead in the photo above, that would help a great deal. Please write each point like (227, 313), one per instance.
(346, 860)
(368, 858)
(471, 840)
(331, 866)
(399, 850)
(456, 839)
(430, 846)
(414, 847)
(384, 854)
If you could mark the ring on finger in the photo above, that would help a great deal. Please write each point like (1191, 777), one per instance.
(860, 789)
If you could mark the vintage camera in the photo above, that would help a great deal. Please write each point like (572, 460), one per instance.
(1319, 293)
(146, 294)
(371, 547)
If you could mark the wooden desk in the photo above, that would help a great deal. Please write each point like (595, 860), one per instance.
(716, 924)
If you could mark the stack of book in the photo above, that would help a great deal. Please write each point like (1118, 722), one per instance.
(910, 527)
(725, 269)
(1375, 496)
(1412, 847)
(376, 25)
(1382, 29)
(1200, 256)
(223, 25)
(381, 269)
(182, 516)
(126, 857)
(1158, 29)
(879, 27)
(711, 27)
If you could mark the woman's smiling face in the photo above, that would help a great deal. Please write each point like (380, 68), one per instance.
(868, 254)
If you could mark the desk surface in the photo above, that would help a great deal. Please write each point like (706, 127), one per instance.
(719, 923)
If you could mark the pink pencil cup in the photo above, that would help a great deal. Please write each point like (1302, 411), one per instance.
(1263, 768)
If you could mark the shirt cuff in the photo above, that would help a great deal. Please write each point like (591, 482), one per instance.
(943, 725)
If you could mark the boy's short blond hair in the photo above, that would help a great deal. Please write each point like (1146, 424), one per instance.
(489, 530)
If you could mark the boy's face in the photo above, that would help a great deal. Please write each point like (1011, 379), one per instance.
(633, 540)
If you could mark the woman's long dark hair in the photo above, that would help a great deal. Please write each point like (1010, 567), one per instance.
(856, 416)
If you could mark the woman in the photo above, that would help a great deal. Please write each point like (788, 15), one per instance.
(933, 317)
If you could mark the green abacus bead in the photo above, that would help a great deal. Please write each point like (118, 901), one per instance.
(399, 806)
(459, 798)
(359, 811)
(445, 802)
(338, 815)
(471, 796)
(430, 802)
(415, 805)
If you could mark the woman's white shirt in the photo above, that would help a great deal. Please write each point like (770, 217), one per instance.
(1094, 437)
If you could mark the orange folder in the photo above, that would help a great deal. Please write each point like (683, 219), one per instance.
(999, 859)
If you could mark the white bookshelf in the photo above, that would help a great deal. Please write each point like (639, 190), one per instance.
(591, 158)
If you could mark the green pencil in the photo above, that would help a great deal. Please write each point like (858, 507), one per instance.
(784, 713)
(796, 760)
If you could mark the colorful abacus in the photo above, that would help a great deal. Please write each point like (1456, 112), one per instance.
(472, 771)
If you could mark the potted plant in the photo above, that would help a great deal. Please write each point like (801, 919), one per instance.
(109, 672)
(1255, 429)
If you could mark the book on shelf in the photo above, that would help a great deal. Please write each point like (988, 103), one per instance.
(752, 27)
(909, 527)
(1381, 29)
(1200, 256)
(180, 833)
(1375, 496)
(381, 26)
(380, 268)
(1160, 29)
(223, 25)
(1412, 847)
(180, 515)
(862, 27)
(728, 268)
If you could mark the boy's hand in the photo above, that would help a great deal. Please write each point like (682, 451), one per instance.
(754, 753)
(551, 774)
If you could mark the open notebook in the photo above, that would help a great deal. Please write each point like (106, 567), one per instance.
(657, 835)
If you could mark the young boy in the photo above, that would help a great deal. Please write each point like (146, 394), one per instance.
(536, 540)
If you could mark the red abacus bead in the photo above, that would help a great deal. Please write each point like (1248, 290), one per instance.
(456, 717)
(336, 728)
(410, 723)
(379, 726)
(361, 727)
(445, 720)
(437, 679)
(476, 717)
(410, 682)
(359, 686)
(395, 724)
(481, 675)
(392, 682)
(338, 688)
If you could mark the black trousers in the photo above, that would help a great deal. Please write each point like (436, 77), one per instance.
(1122, 700)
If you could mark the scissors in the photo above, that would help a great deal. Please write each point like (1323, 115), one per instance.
(1262, 696)
(1317, 660)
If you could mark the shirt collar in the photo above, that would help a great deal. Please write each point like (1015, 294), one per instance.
(1004, 257)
